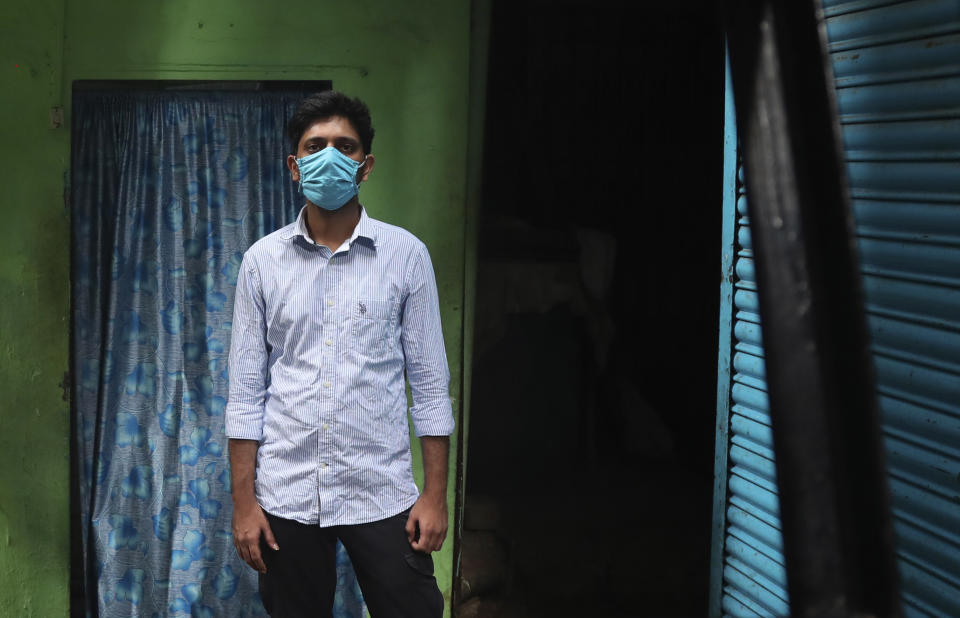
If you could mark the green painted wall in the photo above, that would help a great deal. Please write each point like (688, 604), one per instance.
(479, 53)
(34, 297)
(409, 61)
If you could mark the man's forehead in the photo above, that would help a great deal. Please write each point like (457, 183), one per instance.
(331, 128)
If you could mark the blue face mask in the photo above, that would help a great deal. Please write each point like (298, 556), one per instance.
(329, 178)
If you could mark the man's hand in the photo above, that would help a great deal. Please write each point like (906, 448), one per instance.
(248, 524)
(429, 514)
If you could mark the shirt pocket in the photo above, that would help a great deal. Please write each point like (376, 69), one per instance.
(373, 322)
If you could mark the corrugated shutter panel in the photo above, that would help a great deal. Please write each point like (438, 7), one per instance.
(754, 577)
(897, 70)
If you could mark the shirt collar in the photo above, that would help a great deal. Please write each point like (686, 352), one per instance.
(365, 228)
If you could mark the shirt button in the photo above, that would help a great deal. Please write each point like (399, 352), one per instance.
(325, 426)
(327, 384)
(329, 342)
(329, 303)
(323, 465)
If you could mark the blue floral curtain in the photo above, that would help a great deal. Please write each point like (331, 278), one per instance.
(169, 189)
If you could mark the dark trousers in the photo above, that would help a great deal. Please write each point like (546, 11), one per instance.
(301, 577)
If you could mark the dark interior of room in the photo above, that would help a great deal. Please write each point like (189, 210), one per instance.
(589, 473)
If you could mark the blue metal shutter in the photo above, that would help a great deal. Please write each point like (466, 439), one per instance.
(897, 71)
(755, 579)
(749, 577)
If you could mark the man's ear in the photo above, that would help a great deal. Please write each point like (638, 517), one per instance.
(366, 168)
(292, 166)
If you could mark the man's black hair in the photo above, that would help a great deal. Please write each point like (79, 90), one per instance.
(323, 105)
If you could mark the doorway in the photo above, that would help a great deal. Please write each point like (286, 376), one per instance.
(588, 490)
(171, 183)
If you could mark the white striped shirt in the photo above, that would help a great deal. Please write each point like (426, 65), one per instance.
(320, 343)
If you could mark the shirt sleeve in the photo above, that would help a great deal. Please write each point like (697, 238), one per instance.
(248, 357)
(425, 356)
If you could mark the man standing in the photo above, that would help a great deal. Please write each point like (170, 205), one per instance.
(331, 312)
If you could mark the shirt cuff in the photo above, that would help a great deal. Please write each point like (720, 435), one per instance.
(244, 423)
(433, 418)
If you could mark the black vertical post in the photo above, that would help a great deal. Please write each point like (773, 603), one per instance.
(835, 513)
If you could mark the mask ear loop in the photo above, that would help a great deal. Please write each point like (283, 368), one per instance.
(299, 173)
(360, 165)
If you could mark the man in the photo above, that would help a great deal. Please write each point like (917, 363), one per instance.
(331, 311)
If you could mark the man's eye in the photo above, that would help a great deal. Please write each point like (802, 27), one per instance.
(346, 147)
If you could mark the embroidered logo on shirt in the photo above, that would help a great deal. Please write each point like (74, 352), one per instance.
(363, 308)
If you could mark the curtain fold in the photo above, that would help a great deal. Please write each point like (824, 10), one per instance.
(168, 190)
